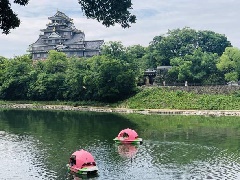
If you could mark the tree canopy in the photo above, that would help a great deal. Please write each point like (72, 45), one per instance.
(9, 19)
(99, 78)
(199, 67)
(180, 42)
(109, 12)
(229, 64)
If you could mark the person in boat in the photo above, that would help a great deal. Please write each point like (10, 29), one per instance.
(125, 135)
(72, 160)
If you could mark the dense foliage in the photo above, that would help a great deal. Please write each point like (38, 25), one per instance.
(199, 57)
(105, 11)
(199, 67)
(182, 42)
(9, 19)
(229, 64)
(195, 57)
(109, 12)
(98, 78)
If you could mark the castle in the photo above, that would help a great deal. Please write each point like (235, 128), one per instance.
(61, 35)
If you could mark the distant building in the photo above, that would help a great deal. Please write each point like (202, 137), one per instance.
(61, 35)
(149, 76)
(156, 76)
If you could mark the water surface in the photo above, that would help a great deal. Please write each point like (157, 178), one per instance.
(37, 145)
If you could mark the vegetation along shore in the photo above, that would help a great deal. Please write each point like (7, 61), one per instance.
(220, 101)
(116, 80)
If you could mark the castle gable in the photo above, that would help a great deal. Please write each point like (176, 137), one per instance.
(54, 35)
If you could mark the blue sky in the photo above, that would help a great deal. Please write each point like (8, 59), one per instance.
(154, 17)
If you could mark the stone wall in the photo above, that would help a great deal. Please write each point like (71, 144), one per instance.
(123, 110)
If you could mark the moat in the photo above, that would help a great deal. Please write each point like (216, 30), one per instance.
(37, 144)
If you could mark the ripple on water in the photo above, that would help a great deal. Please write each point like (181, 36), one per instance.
(220, 167)
(189, 161)
(20, 159)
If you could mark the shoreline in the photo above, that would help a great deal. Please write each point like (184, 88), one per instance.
(124, 110)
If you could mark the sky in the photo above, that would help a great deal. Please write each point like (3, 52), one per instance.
(154, 18)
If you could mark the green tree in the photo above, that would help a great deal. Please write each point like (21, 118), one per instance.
(136, 56)
(3, 64)
(211, 74)
(109, 79)
(75, 73)
(15, 79)
(210, 41)
(136, 51)
(152, 56)
(181, 42)
(56, 62)
(229, 64)
(9, 19)
(181, 70)
(132, 55)
(114, 49)
(47, 87)
(105, 11)
(200, 67)
(48, 77)
(109, 12)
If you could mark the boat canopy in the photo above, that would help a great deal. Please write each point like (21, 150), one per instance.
(83, 158)
(128, 134)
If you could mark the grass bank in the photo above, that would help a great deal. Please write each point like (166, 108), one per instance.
(166, 98)
(158, 98)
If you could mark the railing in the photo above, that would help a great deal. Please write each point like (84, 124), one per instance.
(194, 84)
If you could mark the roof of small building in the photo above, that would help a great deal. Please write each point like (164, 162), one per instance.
(164, 67)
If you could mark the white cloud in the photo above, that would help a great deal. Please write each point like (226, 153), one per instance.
(154, 17)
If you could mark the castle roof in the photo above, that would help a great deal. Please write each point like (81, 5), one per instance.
(54, 35)
(75, 39)
(60, 15)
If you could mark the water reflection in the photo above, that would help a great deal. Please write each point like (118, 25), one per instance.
(73, 176)
(37, 145)
(127, 150)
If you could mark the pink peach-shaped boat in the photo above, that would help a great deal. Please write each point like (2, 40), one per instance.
(128, 136)
(82, 162)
